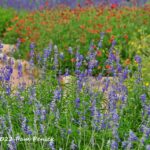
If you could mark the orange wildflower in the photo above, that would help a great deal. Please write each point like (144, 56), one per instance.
(99, 67)
(82, 26)
(93, 31)
(46, 3)
(99, 53)
(113, 6)
(83, 39)
(43, 23)
(73, 60)
(28, 28)
(90, 21)
(127, 61)
(15, 18)
(99, 25)
(109, 30)
(108, 66)
(112, 38)
(10, 29)
(22, 40)
(126, 37)
(21, 21)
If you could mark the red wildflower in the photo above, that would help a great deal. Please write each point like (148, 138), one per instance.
(46, 3)
(99, 25)
(127, 61)
(126, 37)
(93, 31)
(22, 40)
(108, 66)
(94, 46)
(10, 29)
(113, 6)
(82, 26)
(73, 60)
(78, 5)
(112, 38)
(99, 67)
(15, 18)
(21, 21)
(109, 30)
(99, 53)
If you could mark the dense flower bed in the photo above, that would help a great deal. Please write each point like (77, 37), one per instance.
(73, 29)
(75, 116)
(35, 4)
(90, 92)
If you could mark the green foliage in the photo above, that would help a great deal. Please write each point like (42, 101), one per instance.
(5, 19)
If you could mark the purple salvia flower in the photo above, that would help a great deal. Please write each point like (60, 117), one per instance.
(146, 132)
(57, 94)
(125, 74)
(101, 39)
(55, 57)
(79, 59)
(7, 73)
(91, 48)
(25, 127)
(51, 144)
(112, 46)
(79, 84)
(143, 97)
(32, 46)
(46, 54)
(147, 147)
(57, 117)
(2, 126)
(19, 69)
(8, 90)
(147, 109)
(53, 105)
(124, 144)
(138, 59)
(142, 140)
(4, 58)
(130, 145)
(132, 137)
(73, 146)
(114, 145)
(1, 47)
(93, 107)
(66, 72)
(119, 68)
(18, 43)
(77, 72)
(42, 128)
(61, 55)
(43, 114)
(115, 117)
(38, 109)
(32, 53)
(12, 145)
(70, 50)
(99, 77)
(69, 131)
(77, 102)
(115, 134)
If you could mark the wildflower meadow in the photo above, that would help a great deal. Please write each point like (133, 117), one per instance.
(74, 75)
